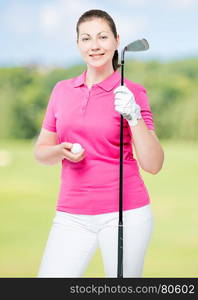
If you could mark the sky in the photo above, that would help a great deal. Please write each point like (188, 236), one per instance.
(44, 32)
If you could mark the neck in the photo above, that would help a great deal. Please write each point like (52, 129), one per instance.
(96, 75)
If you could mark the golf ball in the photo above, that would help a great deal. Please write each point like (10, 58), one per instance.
(76, 148)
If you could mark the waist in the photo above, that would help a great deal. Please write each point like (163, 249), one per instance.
(99, 167)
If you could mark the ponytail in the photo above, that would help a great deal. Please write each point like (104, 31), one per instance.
(115, 63)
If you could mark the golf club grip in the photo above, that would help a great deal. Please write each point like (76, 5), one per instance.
(120, 251)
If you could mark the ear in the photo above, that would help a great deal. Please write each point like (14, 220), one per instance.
(118, 41)
(77, 45)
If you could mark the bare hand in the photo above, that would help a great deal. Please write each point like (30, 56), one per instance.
(65, 150)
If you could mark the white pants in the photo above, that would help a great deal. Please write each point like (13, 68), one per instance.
(73, 239)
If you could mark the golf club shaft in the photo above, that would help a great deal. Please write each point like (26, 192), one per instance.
(138, 45)
(120, 225)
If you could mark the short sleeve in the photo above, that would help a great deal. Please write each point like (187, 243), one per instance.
(49, 121)
(143, 101)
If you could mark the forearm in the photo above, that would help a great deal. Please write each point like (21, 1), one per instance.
(48, 154)
(149, 152)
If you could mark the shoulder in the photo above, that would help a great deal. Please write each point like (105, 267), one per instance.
(139, 92)
(63, 85)
(61, 88)
(134, 86)
(64, 82)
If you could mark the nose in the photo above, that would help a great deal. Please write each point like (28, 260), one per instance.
(95, 45)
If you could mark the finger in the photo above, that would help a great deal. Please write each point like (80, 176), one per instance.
(121, 89)
(82, 153)
(67, 154)
(67, 145)
(123, 97)
(121, 94)
(123, 106)
(79, 155)
(119, 109)
(124, 102)
(118, 102)
(125, 110)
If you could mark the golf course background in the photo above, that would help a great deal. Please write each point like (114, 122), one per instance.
(28, 190)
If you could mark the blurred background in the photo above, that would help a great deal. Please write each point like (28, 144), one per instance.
(38, 48)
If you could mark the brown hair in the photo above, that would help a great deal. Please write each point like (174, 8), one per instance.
(97, 13)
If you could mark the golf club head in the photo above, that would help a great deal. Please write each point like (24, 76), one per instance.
(138, 45)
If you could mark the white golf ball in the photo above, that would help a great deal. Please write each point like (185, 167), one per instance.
(76, 148)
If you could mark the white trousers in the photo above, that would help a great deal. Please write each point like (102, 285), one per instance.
(73, 239)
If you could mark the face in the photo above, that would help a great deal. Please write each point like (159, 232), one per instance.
(97, 43)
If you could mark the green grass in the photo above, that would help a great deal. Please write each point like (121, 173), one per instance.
(28, 193)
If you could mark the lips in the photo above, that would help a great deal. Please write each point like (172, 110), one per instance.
(95, 55)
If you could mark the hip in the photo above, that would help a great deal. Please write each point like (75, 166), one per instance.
(131, 217)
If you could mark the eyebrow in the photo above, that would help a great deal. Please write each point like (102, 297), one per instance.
(98, 33)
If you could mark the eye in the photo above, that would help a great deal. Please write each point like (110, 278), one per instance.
(104, 37)
(84, 39)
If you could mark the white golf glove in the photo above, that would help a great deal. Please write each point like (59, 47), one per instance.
(125, 104)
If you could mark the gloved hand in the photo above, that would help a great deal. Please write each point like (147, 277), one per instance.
(125, 104)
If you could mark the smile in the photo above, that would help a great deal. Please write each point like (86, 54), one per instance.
(96, 55)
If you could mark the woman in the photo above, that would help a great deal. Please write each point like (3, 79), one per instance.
(86, 110)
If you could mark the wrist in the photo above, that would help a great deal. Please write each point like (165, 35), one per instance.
(58, 149)
(135, 116)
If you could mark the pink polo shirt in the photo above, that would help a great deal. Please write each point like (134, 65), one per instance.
(88, 117)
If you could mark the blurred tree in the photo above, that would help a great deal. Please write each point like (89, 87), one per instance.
(171, 89)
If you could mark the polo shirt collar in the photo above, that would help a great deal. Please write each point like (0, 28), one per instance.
(107, 84)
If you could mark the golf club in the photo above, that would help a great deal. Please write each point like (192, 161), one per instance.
(138, 45)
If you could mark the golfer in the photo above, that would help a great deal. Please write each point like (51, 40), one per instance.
(87, 110)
